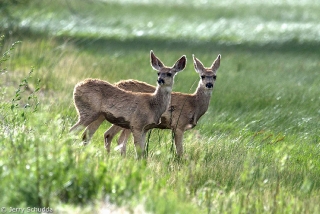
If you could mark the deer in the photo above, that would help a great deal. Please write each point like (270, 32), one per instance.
(135, 111)
(182, 114)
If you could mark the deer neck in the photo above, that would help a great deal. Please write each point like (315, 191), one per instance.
(161, 97)
(202, 98)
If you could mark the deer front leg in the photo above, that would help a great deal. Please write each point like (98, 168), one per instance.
(138, 138)
(178, 137)
(109, 134)
(123, 139)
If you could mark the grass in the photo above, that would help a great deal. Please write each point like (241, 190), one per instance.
(255, 151)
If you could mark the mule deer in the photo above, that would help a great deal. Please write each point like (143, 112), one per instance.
(136, 111)
(183, 113)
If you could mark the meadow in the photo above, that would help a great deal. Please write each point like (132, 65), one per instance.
(256, 150)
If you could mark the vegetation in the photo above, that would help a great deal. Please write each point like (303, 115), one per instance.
(256, 150)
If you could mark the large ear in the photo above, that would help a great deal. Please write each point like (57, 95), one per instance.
(216, 64)
(155, 62)
(198, 66)
(180, 64)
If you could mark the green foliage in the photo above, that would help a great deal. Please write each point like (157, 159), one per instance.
(6, 55)
(256, 150)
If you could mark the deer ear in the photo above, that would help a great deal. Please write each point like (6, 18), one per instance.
(180, 64)
(216, 64)
(198, 66)
(155, 62)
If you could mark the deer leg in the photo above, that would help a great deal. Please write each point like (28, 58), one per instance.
(143, 140)
(109, 134)
(91, 129)
(178, 137)
(84, 121)
(123, 139)
(76, 126)
(138, 137)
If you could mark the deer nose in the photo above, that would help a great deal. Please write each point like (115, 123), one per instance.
(160, 81)
(209, 85)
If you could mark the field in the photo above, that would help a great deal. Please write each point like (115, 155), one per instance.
(256, 150)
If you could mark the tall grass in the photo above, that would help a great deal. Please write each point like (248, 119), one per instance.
(255, 151)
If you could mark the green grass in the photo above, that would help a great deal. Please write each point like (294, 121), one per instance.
(256, 150)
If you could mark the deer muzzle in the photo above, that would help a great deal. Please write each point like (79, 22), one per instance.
(209, 85)
(160, 81)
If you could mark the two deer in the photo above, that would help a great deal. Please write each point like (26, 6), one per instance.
(134, 106)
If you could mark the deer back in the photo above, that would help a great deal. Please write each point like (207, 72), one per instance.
(135, 86)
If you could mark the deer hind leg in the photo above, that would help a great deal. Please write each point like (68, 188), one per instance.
(91, 129)
(84, 121)
(123, 139)
(109, 134)
(178, 138)
(76, 126)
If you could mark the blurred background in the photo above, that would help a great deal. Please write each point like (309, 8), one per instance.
(227, 22)
(259, 136)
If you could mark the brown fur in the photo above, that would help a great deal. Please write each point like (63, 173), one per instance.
(96, 100)
(183, 113)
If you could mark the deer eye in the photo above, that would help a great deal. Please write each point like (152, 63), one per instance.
(169, 74)
(214, 77)
(202, 77)
(158, 73)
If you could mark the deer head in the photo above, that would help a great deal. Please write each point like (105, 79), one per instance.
(166, 74)
(207, 75)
